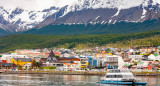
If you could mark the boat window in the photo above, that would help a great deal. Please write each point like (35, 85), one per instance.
(128, 77)
(114, 71)
(114, 76)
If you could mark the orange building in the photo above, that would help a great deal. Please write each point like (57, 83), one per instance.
(68, 59)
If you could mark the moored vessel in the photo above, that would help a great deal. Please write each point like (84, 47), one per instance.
(120, 77)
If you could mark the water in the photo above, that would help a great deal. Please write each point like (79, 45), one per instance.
(61, 80)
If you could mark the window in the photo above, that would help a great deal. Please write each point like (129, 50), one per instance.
(114, 76)
(114, 71)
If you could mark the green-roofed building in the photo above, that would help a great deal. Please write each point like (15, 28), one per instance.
(155, 54)
(140, 62)
(126, 64)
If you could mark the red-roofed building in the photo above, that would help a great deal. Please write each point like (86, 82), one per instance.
(69, 66)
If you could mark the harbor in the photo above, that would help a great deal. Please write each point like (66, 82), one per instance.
(63, 80)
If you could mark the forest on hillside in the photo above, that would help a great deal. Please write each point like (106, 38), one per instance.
(12, 42)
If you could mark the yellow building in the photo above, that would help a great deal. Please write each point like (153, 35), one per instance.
(21, 61)
(84, 63)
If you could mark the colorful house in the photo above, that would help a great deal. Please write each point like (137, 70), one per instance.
(148, 50)
(153, 57)
(52, 61)
(68, 60)
(144, 64)
(92, 62)
(84, 63)
(21, 61)
(69, 66)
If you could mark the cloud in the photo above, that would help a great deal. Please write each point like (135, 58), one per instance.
(33, 4)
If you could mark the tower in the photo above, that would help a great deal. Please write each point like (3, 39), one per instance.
(51, 57)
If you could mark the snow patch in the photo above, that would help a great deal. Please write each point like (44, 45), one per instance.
(97, 17)
(156, 2)
(110, 21)
(114, 21)
(102, 22)
(144, 13)
(117, 13)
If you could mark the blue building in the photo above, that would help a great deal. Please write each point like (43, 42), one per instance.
(92, 62)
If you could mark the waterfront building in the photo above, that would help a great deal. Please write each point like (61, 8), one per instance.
(21, 61)
(84, 62)
(52, 60)
(111, 62)
(92, 62)
(71, 61)
(69, 67)
(27, 65)
(100, 62)
(43, 60)
(7, 65)
(6, 58)
(144, 64)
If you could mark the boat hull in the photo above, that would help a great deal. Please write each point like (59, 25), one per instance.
(121, 82)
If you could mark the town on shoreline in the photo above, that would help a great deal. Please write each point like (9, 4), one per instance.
(92, 61)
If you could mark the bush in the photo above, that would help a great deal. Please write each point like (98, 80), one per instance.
(135, 63)
(50, 68)
(130, 66)
(19, 67)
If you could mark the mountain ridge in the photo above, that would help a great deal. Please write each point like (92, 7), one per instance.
(117, 28)
(81, 12)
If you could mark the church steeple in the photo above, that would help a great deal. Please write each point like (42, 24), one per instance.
(51, 57)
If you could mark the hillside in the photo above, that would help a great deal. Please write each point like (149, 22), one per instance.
(117, 28)
(13, 42)
(3, 32)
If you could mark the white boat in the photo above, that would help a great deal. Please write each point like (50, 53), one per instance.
(120, 77)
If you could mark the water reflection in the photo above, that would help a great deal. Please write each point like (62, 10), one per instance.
(151, 80)
(62, 80)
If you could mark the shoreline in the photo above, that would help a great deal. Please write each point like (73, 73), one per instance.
(77, 73)
(55, 72)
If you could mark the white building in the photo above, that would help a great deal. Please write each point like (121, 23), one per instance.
(143, 64)
(135, 57)
(69, 66)
(109, 60)
(100, 62)
(152, 57)
(8, 57)
(158, 58)
(27, 66)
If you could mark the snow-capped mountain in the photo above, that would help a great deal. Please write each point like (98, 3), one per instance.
(80, 11)
(107, 11)
(20, 20)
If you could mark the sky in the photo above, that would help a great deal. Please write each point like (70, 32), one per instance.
(37, 5)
